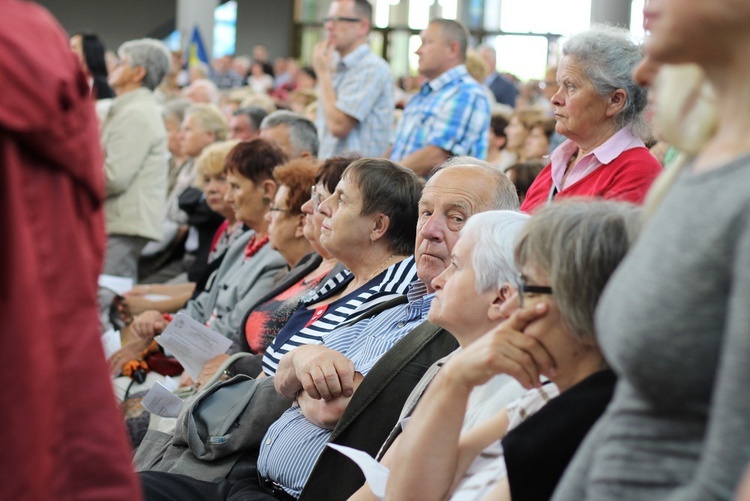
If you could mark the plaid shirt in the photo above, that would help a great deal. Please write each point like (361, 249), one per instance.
(364, 91)
(451, 112)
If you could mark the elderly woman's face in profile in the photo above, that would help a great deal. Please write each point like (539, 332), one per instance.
(580, 112)
(344, 229)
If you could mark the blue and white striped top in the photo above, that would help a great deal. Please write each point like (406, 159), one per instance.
(292, 443)
(392, 282)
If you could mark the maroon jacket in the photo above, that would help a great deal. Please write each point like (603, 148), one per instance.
(62, 436)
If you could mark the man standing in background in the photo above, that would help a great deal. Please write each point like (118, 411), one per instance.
(355, 112)
(450, 115)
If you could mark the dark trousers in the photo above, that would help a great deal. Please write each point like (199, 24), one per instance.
(161, 486)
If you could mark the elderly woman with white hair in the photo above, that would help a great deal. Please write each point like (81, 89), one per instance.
(598, 107)
(566, 254)
(135, 147)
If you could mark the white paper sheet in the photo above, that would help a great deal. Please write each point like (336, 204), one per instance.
(162, 402)
(111, 342)
(156, 297)
(375, 473)
(118, 285)
(192, 343)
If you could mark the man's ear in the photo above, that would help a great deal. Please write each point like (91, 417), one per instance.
(502, 294)
(380, 224)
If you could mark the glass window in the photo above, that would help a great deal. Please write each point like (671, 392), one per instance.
(382, 13)
(636, 19)
(449, 8)
(545, 16)
(399, 53)
(225, 29)
(523, 56)
(310, 36)
(414, 42)
(419, 13)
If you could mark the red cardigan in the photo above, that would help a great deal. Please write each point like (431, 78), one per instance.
(628, 178)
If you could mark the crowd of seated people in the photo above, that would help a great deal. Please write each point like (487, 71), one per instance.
(485, 311)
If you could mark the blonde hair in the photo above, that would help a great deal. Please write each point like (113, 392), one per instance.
(210, 119)
(687, 116)
(476, 66)
(212, 158)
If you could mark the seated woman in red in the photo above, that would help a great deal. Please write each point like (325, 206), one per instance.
(598, 108)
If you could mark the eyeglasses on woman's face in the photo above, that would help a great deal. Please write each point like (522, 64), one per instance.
(523, 289)
(316, 198)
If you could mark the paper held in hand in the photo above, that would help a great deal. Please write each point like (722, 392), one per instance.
(375, 473)
(162, 402)
(192, 343)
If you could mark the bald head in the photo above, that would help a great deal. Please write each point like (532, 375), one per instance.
(460, 188)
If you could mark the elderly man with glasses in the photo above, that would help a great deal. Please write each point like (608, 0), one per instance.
(355, 112)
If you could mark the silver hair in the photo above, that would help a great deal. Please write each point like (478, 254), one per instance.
(493, 234)
(608, 55)
(210, 119)
(151, 55)
(175, 108)
(578, 244)
(212, 91)
(303, 136)
(506, 196)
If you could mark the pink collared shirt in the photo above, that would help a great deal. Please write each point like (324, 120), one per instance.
(603, 154)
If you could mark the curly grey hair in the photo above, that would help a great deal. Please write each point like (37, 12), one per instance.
(608, 56)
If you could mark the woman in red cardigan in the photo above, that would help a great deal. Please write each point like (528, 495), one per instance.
(598, 108)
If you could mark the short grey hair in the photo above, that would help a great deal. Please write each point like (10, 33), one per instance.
(255, 114)
(454, 31)
(175, 108)
(578, 244)
(608, 55)
(151, 55)
(210, 119)
(493, 234)
(303, 136)
(506, 195)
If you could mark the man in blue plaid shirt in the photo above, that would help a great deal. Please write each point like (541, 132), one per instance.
(355, 110)
(450, 115)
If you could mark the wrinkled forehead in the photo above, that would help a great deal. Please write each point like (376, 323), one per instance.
(467, 189)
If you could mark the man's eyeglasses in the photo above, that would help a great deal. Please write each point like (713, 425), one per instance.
(316, 198)
(273, 208)
(523, 289)
(340, 19)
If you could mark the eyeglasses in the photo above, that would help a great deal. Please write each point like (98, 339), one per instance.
(341, 19)
(524, 289)
(273, 208)
(316, 198)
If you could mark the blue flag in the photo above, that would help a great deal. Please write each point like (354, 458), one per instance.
(196, 49)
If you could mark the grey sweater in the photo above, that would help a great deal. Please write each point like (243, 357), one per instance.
(674, 323)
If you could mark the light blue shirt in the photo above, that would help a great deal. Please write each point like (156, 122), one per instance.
(451, 112)
(364, 91)
(292, 444)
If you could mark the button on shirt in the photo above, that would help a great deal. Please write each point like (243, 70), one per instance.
(364, 91)
(292, 444)
(451, 112)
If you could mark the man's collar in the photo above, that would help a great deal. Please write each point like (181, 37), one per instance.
(445, 78)
(354, 56)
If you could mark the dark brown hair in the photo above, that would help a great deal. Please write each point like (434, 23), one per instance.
(254, 160)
